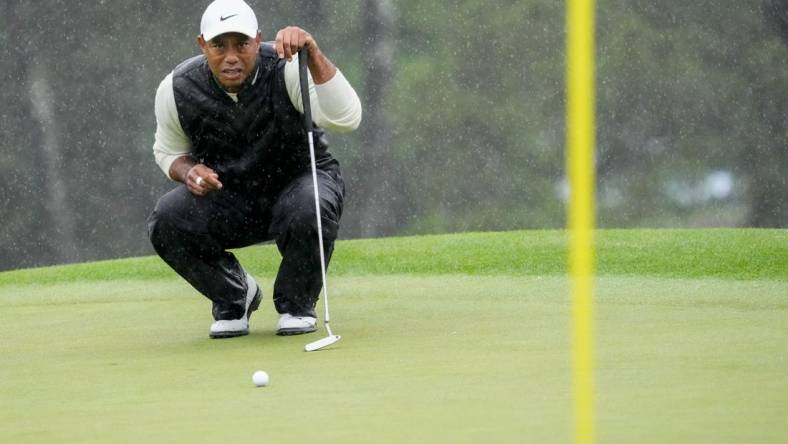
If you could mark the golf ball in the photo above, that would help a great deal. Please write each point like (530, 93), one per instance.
(260, 378)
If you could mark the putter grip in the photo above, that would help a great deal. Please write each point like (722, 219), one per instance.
(303, 62)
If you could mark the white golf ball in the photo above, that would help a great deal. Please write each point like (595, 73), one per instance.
(260, 378)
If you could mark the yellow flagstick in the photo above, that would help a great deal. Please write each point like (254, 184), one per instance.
(580, 164)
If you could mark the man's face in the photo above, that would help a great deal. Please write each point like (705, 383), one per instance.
(231, 57)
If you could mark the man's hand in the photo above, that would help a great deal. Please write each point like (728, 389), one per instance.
(198, 178)
(291, 39)
(201, 180)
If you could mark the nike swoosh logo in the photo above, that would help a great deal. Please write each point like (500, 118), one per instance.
(221, 19)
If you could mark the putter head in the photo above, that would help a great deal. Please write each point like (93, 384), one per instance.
(322, 343)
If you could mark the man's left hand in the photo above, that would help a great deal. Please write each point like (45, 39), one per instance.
(291, 39)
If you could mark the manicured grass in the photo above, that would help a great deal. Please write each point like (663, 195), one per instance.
(470, 348)
(721, 253)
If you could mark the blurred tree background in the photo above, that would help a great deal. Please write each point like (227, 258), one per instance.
(463, 115)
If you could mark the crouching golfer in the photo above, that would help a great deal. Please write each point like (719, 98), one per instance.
(229, 128)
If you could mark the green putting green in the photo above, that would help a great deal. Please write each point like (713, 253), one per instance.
(452, 338)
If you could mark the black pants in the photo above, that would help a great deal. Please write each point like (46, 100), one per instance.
(192, 233)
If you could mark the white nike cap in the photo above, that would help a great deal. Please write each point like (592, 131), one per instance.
(224, 16)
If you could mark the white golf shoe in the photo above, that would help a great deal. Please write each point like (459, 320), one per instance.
(228, 328)
(295, 325)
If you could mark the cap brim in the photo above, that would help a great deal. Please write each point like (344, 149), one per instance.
(224, 28)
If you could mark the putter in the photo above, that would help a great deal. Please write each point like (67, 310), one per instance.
(302, 74)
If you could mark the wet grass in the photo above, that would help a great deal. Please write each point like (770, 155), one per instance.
(468, 348)
(720, 253)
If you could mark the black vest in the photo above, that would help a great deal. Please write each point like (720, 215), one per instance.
(258, 143)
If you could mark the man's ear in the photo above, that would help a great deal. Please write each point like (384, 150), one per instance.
(202, 43)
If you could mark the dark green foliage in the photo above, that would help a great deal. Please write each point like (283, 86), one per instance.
(465, 128)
